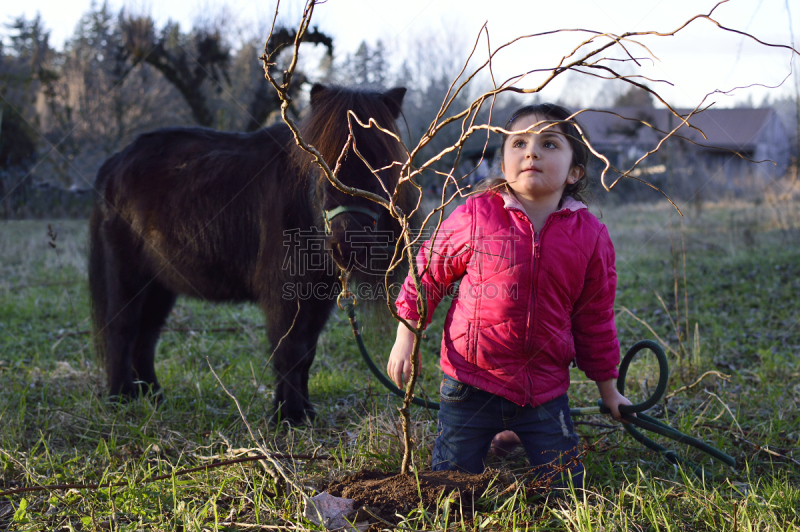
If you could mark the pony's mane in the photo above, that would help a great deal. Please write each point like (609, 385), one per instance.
(325, 126)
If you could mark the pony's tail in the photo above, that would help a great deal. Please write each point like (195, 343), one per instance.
(97, 280)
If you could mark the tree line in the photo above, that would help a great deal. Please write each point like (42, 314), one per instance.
(63, 112)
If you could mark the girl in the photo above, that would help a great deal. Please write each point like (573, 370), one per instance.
(537, 291)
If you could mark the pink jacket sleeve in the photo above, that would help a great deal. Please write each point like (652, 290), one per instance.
(593, 327)
(448, 263)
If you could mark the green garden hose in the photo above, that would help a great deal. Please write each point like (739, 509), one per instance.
(653, 425)
(640, 419)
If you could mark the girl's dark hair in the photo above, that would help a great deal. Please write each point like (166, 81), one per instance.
(580, 153)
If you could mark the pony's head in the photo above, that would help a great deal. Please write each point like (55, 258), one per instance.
(358, 230)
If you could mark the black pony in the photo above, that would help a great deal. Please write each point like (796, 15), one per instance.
(235, 217)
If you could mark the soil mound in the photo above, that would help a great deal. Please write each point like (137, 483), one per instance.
(386, 495)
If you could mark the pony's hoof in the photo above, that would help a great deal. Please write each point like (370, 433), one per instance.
(118, 399)
(158, 399)
(293, 419)
(147, 392)
(151, 393)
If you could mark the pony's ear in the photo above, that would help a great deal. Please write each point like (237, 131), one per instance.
(393, 98)
(317, 90)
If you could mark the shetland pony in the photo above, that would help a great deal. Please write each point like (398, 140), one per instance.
(237, 217)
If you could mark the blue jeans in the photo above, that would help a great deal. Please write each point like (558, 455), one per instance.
(469, 418)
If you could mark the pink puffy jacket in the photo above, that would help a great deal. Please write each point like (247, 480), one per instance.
(527, 304)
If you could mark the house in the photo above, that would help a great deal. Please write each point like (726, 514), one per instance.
(733, 144)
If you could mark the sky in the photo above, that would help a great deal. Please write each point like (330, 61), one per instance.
(698, 60)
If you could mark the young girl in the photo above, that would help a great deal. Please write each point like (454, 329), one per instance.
(537, 291)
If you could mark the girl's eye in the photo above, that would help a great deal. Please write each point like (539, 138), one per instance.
(549, 144)
(518, 144)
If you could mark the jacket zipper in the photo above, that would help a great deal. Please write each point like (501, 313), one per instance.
(537, 247)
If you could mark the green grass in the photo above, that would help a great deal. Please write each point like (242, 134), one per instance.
(734, 318)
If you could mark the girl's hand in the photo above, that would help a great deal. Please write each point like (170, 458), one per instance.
(399, 366)
(612, 398)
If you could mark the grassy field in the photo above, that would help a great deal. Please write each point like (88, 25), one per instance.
(718, 288)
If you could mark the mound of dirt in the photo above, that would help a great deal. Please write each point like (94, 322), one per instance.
(386, 495)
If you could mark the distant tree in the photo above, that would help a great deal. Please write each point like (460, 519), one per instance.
(198, 63)
(634, 97)
(99, 101)
(17, 139)
(264, 101)
(25, 69)
(30, 42)
(788, 109)
(367, 67)
(185, 60)
(17, 148)
(746, 103)
(22, 67)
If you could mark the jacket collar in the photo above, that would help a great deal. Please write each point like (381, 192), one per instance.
(567, 204)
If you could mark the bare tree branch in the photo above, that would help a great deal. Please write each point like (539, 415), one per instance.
(589, 58)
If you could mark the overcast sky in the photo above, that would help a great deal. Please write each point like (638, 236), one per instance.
(700, 59)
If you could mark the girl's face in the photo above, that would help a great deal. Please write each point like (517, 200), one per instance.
(538, 164)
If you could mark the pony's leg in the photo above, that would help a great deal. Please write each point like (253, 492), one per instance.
(319, 316)
(294, 356)
(122, 329)
(125, 285)
(158, 302)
